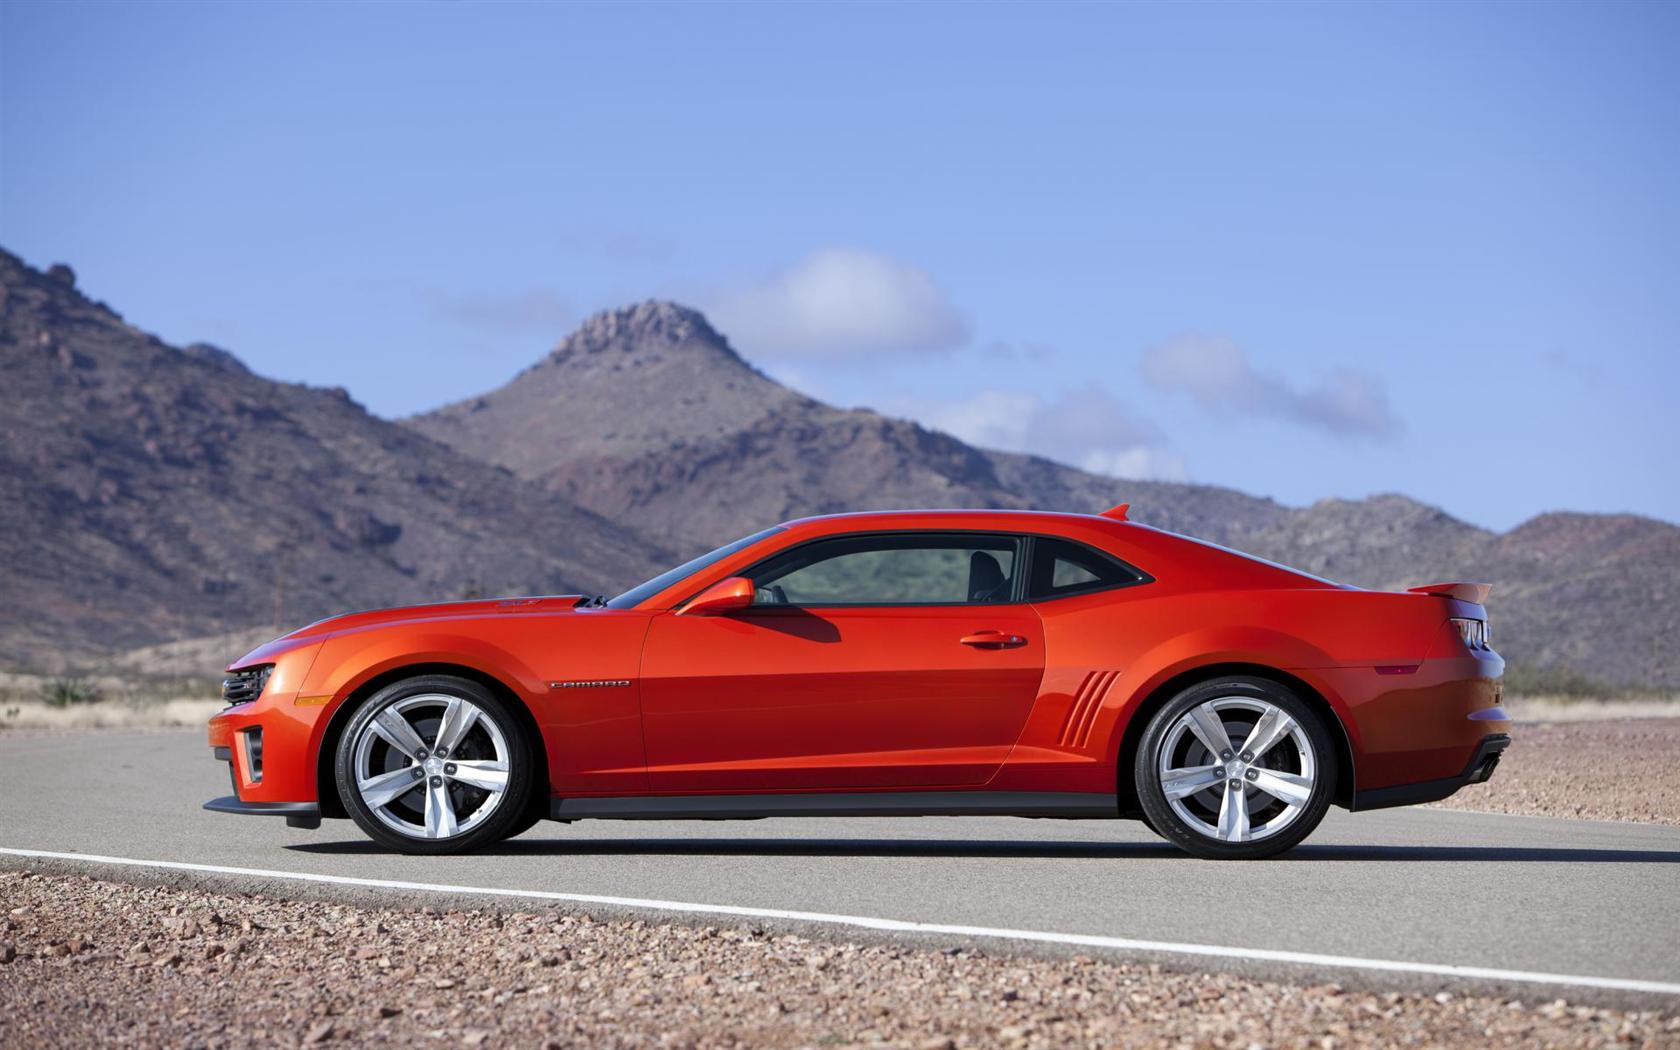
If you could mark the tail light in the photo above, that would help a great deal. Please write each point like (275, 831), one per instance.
(1473, 632)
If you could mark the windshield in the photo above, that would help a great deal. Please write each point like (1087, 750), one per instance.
(642, 592)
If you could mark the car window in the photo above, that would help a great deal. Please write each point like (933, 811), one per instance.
(892, 569)
(1062, 567)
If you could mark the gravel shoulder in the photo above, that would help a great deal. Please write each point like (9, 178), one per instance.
(1590, 770)
(86, 962)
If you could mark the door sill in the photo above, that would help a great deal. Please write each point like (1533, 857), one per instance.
(1073, 805)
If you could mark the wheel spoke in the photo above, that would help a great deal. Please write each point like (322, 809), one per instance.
(482, 773)
(386, 788)
(1273, 726)
(440, 811)
(458, 717)
(398, 733)
(1290, 787)
(1233, 815)
(1177, 783)
(1206, 724)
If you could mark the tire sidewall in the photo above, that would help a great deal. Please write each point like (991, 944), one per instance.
(1167, 822)
(515, 803)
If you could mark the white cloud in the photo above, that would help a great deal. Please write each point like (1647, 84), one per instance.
(841, 302)
(1087, 428)
(1218, 376)
(534, 310)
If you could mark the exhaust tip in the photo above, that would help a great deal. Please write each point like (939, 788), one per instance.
(1485, 771)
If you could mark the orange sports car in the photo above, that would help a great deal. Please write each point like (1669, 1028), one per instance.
(883, 664)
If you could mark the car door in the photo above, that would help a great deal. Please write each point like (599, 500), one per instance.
(880, 660)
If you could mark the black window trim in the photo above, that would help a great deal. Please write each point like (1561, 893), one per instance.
(1032, 539)
(1018, 585)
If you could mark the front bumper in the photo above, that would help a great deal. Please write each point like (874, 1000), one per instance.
(270, 742)
(297, 814)
(1480, 767)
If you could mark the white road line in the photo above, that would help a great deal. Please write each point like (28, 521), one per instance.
(1083, 940)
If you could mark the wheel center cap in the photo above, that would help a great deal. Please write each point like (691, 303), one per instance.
(433, 765)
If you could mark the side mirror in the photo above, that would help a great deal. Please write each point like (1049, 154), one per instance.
(724, 596)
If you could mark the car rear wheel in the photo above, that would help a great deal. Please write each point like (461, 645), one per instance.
(434, 764)
(1235, 769)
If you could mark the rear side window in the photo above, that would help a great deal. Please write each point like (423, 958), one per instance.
(892, 569)
(1062, 567)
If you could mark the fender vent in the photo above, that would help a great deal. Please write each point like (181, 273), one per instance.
(1082, 713)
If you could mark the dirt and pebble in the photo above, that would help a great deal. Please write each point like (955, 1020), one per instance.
(1615, 770)
(85, 962)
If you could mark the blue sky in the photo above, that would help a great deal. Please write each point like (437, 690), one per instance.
(1306, 251)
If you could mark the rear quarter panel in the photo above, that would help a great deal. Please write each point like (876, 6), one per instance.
(1129, 645)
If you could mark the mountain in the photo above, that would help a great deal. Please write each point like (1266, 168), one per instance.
(647, 415)
(149, 493)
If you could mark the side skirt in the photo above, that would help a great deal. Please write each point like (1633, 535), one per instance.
(1064, 804)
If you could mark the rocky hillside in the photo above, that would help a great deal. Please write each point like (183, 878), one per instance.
(647, 415)
(150, 493)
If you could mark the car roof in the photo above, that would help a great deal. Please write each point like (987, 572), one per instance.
(1006, 520)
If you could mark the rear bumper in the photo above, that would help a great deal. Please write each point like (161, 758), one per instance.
(1416, 723)
(1480, 767)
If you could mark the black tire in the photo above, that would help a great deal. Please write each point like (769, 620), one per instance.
(509, 811)
(533, 816)
(1243, 698)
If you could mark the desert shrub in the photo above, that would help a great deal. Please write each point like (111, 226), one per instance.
(1529, 680)
(63, 692)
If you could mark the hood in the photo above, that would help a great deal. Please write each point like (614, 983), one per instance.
(320, 629)
(436, 611)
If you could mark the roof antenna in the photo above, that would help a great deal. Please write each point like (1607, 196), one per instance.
(1118, 513)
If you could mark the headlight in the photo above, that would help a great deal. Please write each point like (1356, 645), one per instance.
(246, 684)
(1474, 632)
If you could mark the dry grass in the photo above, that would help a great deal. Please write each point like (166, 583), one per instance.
(1579, 709)
(159, 714)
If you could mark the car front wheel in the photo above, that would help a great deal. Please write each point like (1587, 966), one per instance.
(1235, 769)
(434, 764)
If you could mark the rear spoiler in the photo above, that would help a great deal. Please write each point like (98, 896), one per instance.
(1474, 593)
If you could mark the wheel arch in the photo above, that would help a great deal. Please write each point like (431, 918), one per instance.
(1171, 687)
(326, 784)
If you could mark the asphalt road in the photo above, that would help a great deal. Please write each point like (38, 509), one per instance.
(1588, 899)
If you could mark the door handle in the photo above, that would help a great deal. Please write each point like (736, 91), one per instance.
(993, 640)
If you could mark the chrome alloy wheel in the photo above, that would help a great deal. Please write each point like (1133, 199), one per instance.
(1231, 791)
(431, 766)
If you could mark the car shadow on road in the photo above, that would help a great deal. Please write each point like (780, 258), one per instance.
(1013, 849)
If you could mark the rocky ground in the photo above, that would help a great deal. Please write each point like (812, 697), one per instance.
(1620, 770)
(85, 962)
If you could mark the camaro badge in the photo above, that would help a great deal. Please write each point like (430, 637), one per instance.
(599, 683)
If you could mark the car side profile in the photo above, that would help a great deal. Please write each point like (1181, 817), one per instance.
(906, 663)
